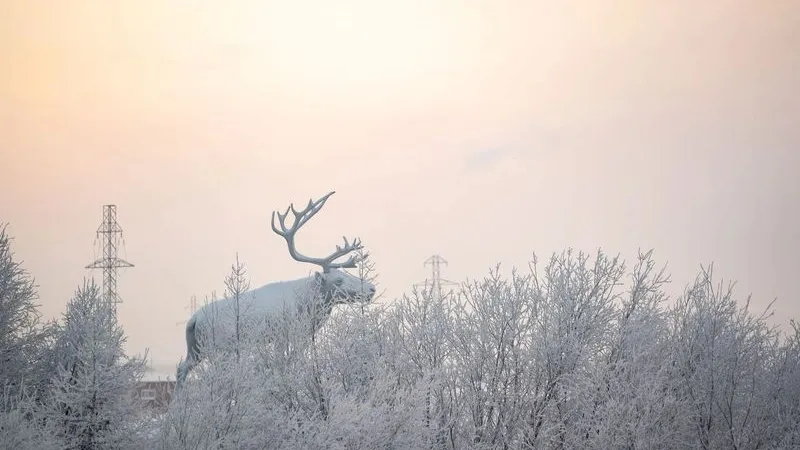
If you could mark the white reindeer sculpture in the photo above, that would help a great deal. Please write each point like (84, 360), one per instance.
(318, 293)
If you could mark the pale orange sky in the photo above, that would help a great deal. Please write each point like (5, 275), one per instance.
(479, 130)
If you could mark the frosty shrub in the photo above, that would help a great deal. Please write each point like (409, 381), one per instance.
(19, 428)
(579, 353)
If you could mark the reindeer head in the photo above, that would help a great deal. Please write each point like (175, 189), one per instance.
(344, 288)
(340, 286)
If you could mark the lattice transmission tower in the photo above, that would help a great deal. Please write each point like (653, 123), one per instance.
(109, 237)
(434, 284)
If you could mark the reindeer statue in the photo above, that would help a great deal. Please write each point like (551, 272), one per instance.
(318, 293)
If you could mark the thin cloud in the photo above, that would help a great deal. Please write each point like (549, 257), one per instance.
(485, 158)
(521, 144)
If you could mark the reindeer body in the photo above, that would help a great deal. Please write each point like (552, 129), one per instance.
(315, 294)
(257, 304)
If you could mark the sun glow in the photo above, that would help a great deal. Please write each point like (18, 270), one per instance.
(359, 47)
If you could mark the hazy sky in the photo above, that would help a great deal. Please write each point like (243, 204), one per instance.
(479, 130)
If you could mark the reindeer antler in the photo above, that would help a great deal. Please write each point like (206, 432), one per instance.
(300, 218)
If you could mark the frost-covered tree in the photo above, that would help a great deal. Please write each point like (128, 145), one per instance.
(24, 354)
(724, 359)
(489, 360)
(573, 307)
(216, 407)
(784, 393)
(420, 328)
(91, 403)
(627, 399)
(374, 398)
(23, 338)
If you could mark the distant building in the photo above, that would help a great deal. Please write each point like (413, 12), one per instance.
(154, 391)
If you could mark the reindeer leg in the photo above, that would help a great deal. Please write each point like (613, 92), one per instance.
(192, 354)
